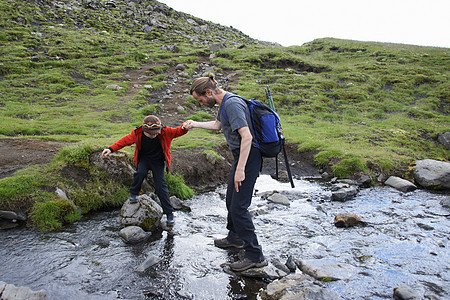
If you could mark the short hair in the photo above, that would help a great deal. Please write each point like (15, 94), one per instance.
(200, 85)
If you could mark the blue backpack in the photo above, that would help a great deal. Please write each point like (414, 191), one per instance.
(266, 126)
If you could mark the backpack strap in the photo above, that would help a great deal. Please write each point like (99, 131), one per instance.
(226, 98)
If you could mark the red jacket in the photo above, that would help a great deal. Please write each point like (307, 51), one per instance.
(166, 136)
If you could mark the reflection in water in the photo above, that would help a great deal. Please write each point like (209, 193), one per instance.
(405, 242)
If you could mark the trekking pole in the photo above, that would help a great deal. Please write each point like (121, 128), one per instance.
(288, 168)
(269, 98)
(272, 107)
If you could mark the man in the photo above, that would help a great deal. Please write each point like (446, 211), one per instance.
(152, 152)
(244, 171)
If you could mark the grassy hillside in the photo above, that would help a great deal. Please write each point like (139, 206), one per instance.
(365, 106)
(369, 107)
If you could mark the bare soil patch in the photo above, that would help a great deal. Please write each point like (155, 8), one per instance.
(17, 154)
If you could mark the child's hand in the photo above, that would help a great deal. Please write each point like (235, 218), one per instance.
(106, 152)
(187, 124)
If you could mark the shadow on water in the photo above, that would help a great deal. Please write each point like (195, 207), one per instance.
(405, 242)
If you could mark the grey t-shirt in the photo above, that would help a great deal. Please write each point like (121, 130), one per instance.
(238, 115)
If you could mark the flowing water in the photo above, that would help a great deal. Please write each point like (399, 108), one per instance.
(406, 241)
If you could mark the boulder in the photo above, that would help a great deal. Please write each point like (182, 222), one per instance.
(432, 174)
(400, 184)
(347, 220)
(117, 164)
(12, 292)
(134, 234)
(343, 192)
(363, 179)
(279, 199)
(326, 270)
(297, 286)
(114, 87)
(405, 292)
(10, 219)
(178, 204)
(146, 213)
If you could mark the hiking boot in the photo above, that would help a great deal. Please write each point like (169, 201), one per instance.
(170, 219)
(225, 243)
(246, 264)
(133, 199)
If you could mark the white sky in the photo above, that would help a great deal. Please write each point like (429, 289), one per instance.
(294, 22)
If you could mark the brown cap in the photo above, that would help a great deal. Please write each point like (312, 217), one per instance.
(152, 124)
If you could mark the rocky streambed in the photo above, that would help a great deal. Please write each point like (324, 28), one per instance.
(403, 240)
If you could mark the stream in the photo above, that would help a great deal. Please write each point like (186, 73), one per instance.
(405, 241)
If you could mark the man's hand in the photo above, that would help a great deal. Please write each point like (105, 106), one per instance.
(188, 124)
(239, 176)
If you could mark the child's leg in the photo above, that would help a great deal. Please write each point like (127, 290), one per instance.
(138, 177)
(161, 188)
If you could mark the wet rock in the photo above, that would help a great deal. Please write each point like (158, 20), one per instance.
(425, 226)
(270, 271)
(146, 213)
(297, 286)
(279, 265)
(343, 192)
(347, 220)
(10, 219)
(405, 292)
(134, 234)
(150, 261)
(11, 292)
(363, 180)
(10, 215)
(400, 184)
(178, 204)
(432, 174)
(326, 270)
(279, 199)
(290, 263)
(446, 202)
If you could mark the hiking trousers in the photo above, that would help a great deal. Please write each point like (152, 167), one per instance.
(239, 221)
(159, 180)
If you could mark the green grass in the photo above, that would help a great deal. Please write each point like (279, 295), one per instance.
(361, 106)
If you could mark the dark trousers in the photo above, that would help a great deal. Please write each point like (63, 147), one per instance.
(161, 190)
(239, 221)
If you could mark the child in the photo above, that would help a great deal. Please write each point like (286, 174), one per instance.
(152, 152)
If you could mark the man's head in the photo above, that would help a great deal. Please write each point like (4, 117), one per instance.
(203, 88)
(152, 126)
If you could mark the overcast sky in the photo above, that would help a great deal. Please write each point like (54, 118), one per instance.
(294, 22)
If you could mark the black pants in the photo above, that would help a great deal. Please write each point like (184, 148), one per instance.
(239, 221)
(161, 190)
